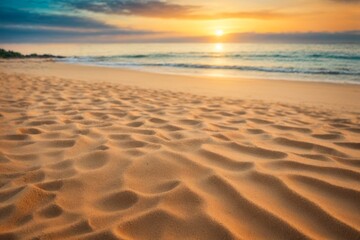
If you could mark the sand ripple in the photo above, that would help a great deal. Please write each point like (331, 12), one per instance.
(103, 161)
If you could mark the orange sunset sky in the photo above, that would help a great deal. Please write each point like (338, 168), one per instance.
(102, 20)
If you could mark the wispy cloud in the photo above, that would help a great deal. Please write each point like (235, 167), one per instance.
(139, 8)
(305, 37)
(264, 14)
(30, 34)
(164, 9)
(298, 37)
(21, 26)
(21, 17)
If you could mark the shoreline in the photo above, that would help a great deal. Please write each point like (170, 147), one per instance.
(340, 96)
(210, 76)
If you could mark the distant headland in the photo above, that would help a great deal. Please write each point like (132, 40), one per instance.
(11, 55)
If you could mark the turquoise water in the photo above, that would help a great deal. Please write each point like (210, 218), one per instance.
(307, 62)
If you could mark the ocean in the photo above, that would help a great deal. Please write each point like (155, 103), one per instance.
(304, 62)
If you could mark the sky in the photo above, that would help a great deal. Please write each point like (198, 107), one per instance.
(97, 21)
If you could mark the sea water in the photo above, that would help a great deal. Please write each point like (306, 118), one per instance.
(304, 62)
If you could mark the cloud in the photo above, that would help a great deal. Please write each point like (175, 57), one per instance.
(299, 37)
(304, 37)
(265, 14)
(163, 9)
(21, 17)
(30, 34)
(24, 26)
(141, 8)
(36, 35)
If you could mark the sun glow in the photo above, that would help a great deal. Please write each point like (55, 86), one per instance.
(219, 47)
(219, 32)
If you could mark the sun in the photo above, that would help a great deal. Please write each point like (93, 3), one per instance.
(219, 32)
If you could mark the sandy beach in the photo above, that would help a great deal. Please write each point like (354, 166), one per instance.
(102, 153)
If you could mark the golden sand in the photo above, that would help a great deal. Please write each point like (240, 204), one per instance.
(115, 158)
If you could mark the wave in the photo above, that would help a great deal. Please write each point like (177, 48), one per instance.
(335, 56)
(291, 55)
(324, 71)
(289, 70)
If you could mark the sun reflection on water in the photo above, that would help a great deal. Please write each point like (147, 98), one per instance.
(219, 47)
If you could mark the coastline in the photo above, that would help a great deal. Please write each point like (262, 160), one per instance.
(201, 75)
(340, 96)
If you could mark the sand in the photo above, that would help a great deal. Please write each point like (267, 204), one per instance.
(115, 158)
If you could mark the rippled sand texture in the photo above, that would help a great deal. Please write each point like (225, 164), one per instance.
(105, 161)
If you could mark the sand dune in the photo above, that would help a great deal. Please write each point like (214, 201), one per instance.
(101, 160)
